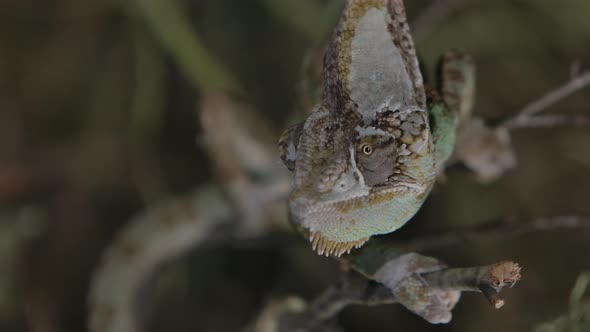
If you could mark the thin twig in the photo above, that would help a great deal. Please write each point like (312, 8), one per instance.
(554, 96)
(491, 229)
(554, 120)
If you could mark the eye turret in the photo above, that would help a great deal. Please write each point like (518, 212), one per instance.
(376, 156)
(367, 149)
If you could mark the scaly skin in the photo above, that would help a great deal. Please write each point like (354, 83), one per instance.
(365, 160)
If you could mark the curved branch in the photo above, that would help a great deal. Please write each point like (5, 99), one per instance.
(155, 236)
(249, 205)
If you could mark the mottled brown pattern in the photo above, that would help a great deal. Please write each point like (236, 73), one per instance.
(400, 31)
(323, 150)
(338, 57)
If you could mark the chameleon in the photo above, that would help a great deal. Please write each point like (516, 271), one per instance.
(366, 158)
(377, 132)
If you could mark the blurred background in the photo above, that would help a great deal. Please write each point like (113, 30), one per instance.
(98, 122)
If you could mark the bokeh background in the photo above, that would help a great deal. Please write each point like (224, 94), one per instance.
(97, 123)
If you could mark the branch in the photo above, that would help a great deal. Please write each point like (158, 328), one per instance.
(146, 242)
(353, 288)
(380, 260)
(488, 151)
(494, 228)
(552, 121)
(554, 96)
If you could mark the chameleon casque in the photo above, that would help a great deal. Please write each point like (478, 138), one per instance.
(366, 158)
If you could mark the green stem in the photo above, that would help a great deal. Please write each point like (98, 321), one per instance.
(148, 100)
(308, 16)
(175, 33)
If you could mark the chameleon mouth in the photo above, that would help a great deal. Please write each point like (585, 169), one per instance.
(327, 247)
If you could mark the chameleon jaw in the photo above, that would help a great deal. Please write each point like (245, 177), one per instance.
(337, 227)
(327, 247)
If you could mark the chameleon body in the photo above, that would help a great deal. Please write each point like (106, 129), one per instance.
(366, 158)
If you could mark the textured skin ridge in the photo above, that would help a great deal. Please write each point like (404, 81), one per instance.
(338, 56)
(400, 31)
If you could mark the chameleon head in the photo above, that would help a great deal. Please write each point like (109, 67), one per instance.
(363, 160)
(354, 179)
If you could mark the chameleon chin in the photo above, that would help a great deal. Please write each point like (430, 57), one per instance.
(365, 159)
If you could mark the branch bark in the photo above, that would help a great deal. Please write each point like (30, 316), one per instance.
(354, 288)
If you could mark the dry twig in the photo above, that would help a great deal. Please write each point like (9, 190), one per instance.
(526, 115)
(494, 229)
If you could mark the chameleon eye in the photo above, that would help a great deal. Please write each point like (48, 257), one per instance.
(367, 149)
